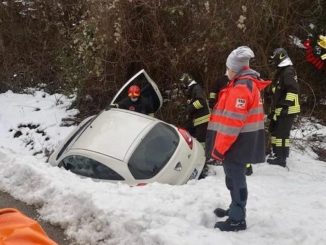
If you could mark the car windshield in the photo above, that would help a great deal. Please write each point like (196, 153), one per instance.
(153, 153)
(89, 167)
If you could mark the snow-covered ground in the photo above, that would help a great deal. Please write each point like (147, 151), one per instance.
(284, 207)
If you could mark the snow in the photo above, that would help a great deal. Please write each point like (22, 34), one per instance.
(284, 207)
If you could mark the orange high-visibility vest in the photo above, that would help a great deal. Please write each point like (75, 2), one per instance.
(237, 121)
(18, 229)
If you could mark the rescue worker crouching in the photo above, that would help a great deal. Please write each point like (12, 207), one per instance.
(285, 106)
(135, 101)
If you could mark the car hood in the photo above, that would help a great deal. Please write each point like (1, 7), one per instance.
(113, 132)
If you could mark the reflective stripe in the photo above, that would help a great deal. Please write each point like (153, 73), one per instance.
(251, 127)
(212, 95)
(273, 140)
(218, 127)
(229, 114)
(278, 111)
(236, 115)
(197, 104)
(273, 89)
(248, 165)
(280, 142)
(201, 120)
(323, 57)
(291, 110)
(291, 96)
(294, 109)
(257, 110)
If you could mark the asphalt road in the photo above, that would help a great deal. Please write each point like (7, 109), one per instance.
(54, 232)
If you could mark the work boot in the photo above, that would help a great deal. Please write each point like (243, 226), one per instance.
(278, 161)
(220, 212)
(204, 172)
(270, 157)
(231, 225)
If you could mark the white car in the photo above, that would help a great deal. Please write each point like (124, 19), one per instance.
(126, 146)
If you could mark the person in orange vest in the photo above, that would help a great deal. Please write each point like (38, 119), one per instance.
(18, 229)
(219, 84)
(236, 128)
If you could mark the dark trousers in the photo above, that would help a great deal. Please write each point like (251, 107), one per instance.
(280, 132)
(199, 132)
(235, 180)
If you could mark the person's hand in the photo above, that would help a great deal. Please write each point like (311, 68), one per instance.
(212, 161)
(271, 116)
(218, 157)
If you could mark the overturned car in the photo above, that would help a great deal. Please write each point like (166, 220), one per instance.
(120, 145)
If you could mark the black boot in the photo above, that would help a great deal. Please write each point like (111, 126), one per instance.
(281, 161)
(220, 212)
(231, 225)
(204, 172)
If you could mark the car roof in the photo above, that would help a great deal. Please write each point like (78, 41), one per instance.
(113, 132)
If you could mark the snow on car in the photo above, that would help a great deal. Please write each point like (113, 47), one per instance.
(125, 146)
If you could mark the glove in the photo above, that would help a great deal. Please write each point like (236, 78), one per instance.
(112, 106)
(217, 156)
(271, 116)
(214, 162)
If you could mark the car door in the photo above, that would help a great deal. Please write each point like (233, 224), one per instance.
(149, 90)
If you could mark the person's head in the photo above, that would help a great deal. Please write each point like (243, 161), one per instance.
(134, 93)
(187, 80)
(280, 58)
(237, 60)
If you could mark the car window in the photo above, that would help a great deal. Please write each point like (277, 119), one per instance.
(90, 168)
(84, 126)
(153, 153)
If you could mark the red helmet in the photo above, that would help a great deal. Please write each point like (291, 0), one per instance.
(134, 91)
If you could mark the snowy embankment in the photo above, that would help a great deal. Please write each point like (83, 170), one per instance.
(284, 207)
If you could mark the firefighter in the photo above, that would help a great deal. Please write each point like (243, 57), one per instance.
(236, 128)
(197, 108)
(285, 106)
(221, 83)
(135, 101)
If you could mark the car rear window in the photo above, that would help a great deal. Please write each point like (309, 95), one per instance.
(154, 151)
(89, 167)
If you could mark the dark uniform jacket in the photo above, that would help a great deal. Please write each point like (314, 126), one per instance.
(219, 84)
(141, 105)
(285, 92)
(198, 111)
